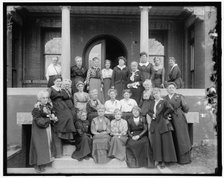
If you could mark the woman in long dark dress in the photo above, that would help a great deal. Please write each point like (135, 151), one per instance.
(175, 73)
(100, 128)
(120, 77)
(181, 134)
(83, 140)
(135, 80)
(158, 74)
(64, 128)
(92, 104)
(67, 97)
(138, 147)
(161, 130)
(42, 149)
(107, 73)
(145, 67)
(78, 73)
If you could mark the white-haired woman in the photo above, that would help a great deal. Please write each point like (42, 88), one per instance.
(135, 80)
(78, 73)
(100, 128)
(92, 104)
(42, 149)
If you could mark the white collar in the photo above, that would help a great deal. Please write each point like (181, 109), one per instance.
(136, 118)
(121, 67)
(56, 88)
(173, 67)
(170, 96)
(143, 64)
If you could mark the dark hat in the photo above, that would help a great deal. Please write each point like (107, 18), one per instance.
(57, 77)
(172, 83)
(143, 53)
(122, 58)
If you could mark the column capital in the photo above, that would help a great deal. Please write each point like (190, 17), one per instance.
(65, 7)
(145, 8)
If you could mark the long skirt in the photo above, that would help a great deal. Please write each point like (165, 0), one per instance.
(117, 147)
(182, 139)
(96, 84)
(139, 153)
(119, 87)
(101, 146)
(106, 87)
(136, 94)
(163, 146)
(83, 147)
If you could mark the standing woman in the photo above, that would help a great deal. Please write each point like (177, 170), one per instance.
(181, 134)
(135, 80)
(138, 147)
(145, 66)
(161, 130)
(94, 78)
(175, 73)
(158, 74)
(107, 76)
(120, 77)
(53, 70)
(64, 128)
(78, 73)
(42, 150)
(100, 128)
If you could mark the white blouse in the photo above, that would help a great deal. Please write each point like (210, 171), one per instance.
(127, 105)
(107, 73)
(111, 106)
(53, 70)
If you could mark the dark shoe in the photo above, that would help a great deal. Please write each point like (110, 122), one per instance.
(87, 158)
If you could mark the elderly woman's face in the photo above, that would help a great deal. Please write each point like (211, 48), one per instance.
(143, 59)
(101, 112)
(79, 62)
(171, 62)
(67, 85)
(135, 112)
(171, 89)
(94, 95)
(121, 62)
(44, 99)
(83, 116)
(57, 82)
(134, 66)
(112, 95)
(118, 115)
(54, 60)
(156, 95)
(107, 65)
(126, 95)
(80, 87)
(147, 86)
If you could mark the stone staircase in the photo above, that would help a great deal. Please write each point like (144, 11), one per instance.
(67, 165)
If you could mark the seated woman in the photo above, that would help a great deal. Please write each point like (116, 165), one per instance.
(100, 128)
(119, 128)
(138, 147)
(161, 130)
(67, 96)
(111, 104)
(181, 134)
(83, 140)
(127, 104)
(42, 150)
(80, 98)
(146, 97)
(64, 128)
(92, 104)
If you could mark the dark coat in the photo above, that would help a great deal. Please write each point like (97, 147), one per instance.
(160, 130)
(119, 80)
(136, 92)
(147, 71)
(175, 76)
(40, 151)
(180, 123)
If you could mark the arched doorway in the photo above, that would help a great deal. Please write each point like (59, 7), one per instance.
(104, 47)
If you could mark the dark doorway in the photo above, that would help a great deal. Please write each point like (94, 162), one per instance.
(105, 47)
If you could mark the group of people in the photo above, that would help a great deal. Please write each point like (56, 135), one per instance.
(123, 115)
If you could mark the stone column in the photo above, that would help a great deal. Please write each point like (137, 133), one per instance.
(9, 51)
(66, 46)
(144, 29)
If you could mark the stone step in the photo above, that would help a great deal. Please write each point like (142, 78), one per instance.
(68, 162)
(102, 170)
(68, 149)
